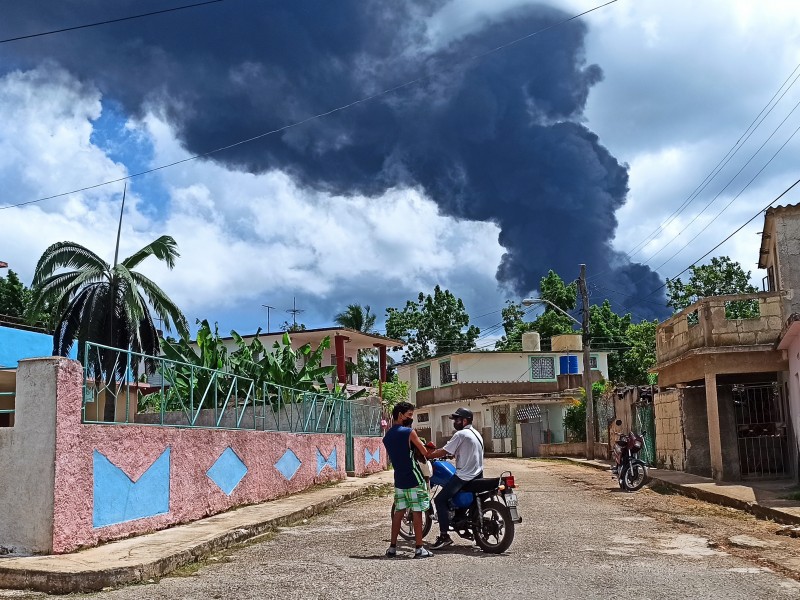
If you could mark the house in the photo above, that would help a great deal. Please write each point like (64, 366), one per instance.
(518, 398)
(345, 346)
(723, 409)
(19, 341)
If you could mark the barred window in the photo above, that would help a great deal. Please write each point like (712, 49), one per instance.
(444, 372)
(424, 376)
(592, 362)
(422, 417)
(543, 367)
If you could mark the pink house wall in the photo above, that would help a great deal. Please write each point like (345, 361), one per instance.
(374, 447)
(192, 494)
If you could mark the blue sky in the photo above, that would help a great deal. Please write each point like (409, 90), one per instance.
(681, 83)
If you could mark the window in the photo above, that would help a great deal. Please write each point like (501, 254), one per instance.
(543, 368)
(424, 376)
(423, 417)
(592, 362)
(445, 376)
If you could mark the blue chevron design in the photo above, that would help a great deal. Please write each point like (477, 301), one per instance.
(118, 499)
(372, 456)
(288, 464)
(323, 462)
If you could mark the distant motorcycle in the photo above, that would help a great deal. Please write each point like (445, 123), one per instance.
(629, 470)
(484, 511)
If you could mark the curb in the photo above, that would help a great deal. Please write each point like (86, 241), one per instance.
(753, 508)
(62, 582)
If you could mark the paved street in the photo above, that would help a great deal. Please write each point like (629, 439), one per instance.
(581, 539)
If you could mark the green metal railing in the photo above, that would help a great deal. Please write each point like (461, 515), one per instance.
(192, 396)
(7, 411)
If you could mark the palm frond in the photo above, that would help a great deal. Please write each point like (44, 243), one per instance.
(164, 248)
(66, 255)
(164, 308)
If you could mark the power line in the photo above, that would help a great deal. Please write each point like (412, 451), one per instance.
(139, 16)
(357, 102)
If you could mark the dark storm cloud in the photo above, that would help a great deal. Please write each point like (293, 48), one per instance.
(499, 138)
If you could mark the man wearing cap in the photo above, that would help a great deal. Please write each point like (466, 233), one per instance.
(467, 446)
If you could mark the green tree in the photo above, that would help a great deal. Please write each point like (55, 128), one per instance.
(356, 317)
(551, 322)
(394, 391)
(434, 325)
(640, 356)
(13, 296)
(106, 304)
(575, 415)
(722, 276)
(292, 327)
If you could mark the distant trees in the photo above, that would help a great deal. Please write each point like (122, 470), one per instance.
(434, 325)
(721, 276)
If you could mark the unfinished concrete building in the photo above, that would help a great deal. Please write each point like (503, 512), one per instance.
(725, 408)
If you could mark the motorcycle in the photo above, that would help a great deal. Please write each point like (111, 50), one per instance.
(629, 470)
(484, 511)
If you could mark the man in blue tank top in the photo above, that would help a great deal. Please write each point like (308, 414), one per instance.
(410, 488)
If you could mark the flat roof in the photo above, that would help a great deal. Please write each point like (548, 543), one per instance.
(356, 338)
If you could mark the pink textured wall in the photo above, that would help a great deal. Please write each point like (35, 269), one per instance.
(193, 495)
(372, 444)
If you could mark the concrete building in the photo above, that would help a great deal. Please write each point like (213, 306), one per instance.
(727, 400)
(518, 398)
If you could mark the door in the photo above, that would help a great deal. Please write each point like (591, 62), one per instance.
(761, 425)
(531, 438)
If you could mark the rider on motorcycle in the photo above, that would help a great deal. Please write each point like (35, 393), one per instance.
(467, 446)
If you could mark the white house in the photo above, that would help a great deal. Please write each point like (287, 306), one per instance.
(518, 398)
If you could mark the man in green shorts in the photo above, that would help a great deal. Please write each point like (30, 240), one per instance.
(410, 488)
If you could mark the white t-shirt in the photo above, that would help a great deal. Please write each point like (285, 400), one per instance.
(467, 446)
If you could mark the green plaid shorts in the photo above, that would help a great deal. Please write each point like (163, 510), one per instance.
(416, 499)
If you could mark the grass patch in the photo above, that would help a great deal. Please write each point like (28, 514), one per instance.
(791, 496)
(664, 490)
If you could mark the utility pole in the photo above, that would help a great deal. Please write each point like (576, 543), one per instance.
(268, 307)
(587, 368)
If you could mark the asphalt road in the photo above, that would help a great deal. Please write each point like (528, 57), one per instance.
(578, 540)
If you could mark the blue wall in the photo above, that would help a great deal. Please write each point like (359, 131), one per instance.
(16, 344)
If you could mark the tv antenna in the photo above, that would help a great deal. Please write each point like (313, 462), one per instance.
(294, 311)
(269, 308)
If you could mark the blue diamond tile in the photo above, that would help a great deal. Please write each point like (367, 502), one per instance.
(322, 462)
(372, 456)
(288, 464)
(227, 471)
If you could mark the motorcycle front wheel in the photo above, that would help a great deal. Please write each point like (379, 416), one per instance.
(634, 476)
(407, 524)
(493, 528)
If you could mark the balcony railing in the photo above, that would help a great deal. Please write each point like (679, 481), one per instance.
(721, 321)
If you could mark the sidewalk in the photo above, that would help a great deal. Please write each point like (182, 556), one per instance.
(764, 499)
(153, 555)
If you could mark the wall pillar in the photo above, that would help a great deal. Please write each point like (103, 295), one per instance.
(714, 438)
(341, 367)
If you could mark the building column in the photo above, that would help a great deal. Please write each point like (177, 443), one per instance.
(341, 366)
(381, 367)
(714, 437)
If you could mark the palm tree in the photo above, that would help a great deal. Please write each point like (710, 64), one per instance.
(356, 317)
(105, 304)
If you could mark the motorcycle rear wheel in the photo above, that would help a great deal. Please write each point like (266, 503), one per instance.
(407, 524)
(634, 476)
(494, 529)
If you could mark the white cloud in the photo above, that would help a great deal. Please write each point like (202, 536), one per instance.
(241, 236)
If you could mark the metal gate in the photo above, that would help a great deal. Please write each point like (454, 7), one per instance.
(646, 425)
(761, 430)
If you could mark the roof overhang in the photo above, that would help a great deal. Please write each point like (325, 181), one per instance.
(790, 332)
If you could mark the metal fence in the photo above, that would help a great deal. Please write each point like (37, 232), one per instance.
(186, 395)
(7, 414)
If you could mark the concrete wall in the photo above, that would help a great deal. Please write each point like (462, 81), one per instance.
(793, 385)
(787, 248)
(76, 485)
(695, 430)
(670, 450)
(577, 449)
(731, 468)
(370, 455)
(27, 455)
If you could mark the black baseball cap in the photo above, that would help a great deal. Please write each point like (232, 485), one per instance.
(463, 413)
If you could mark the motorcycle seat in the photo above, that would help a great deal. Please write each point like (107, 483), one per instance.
(481, 484)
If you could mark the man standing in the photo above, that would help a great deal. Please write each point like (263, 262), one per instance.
(410, 488)
(467, 446)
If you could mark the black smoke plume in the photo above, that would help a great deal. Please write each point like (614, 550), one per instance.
(498, 138)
